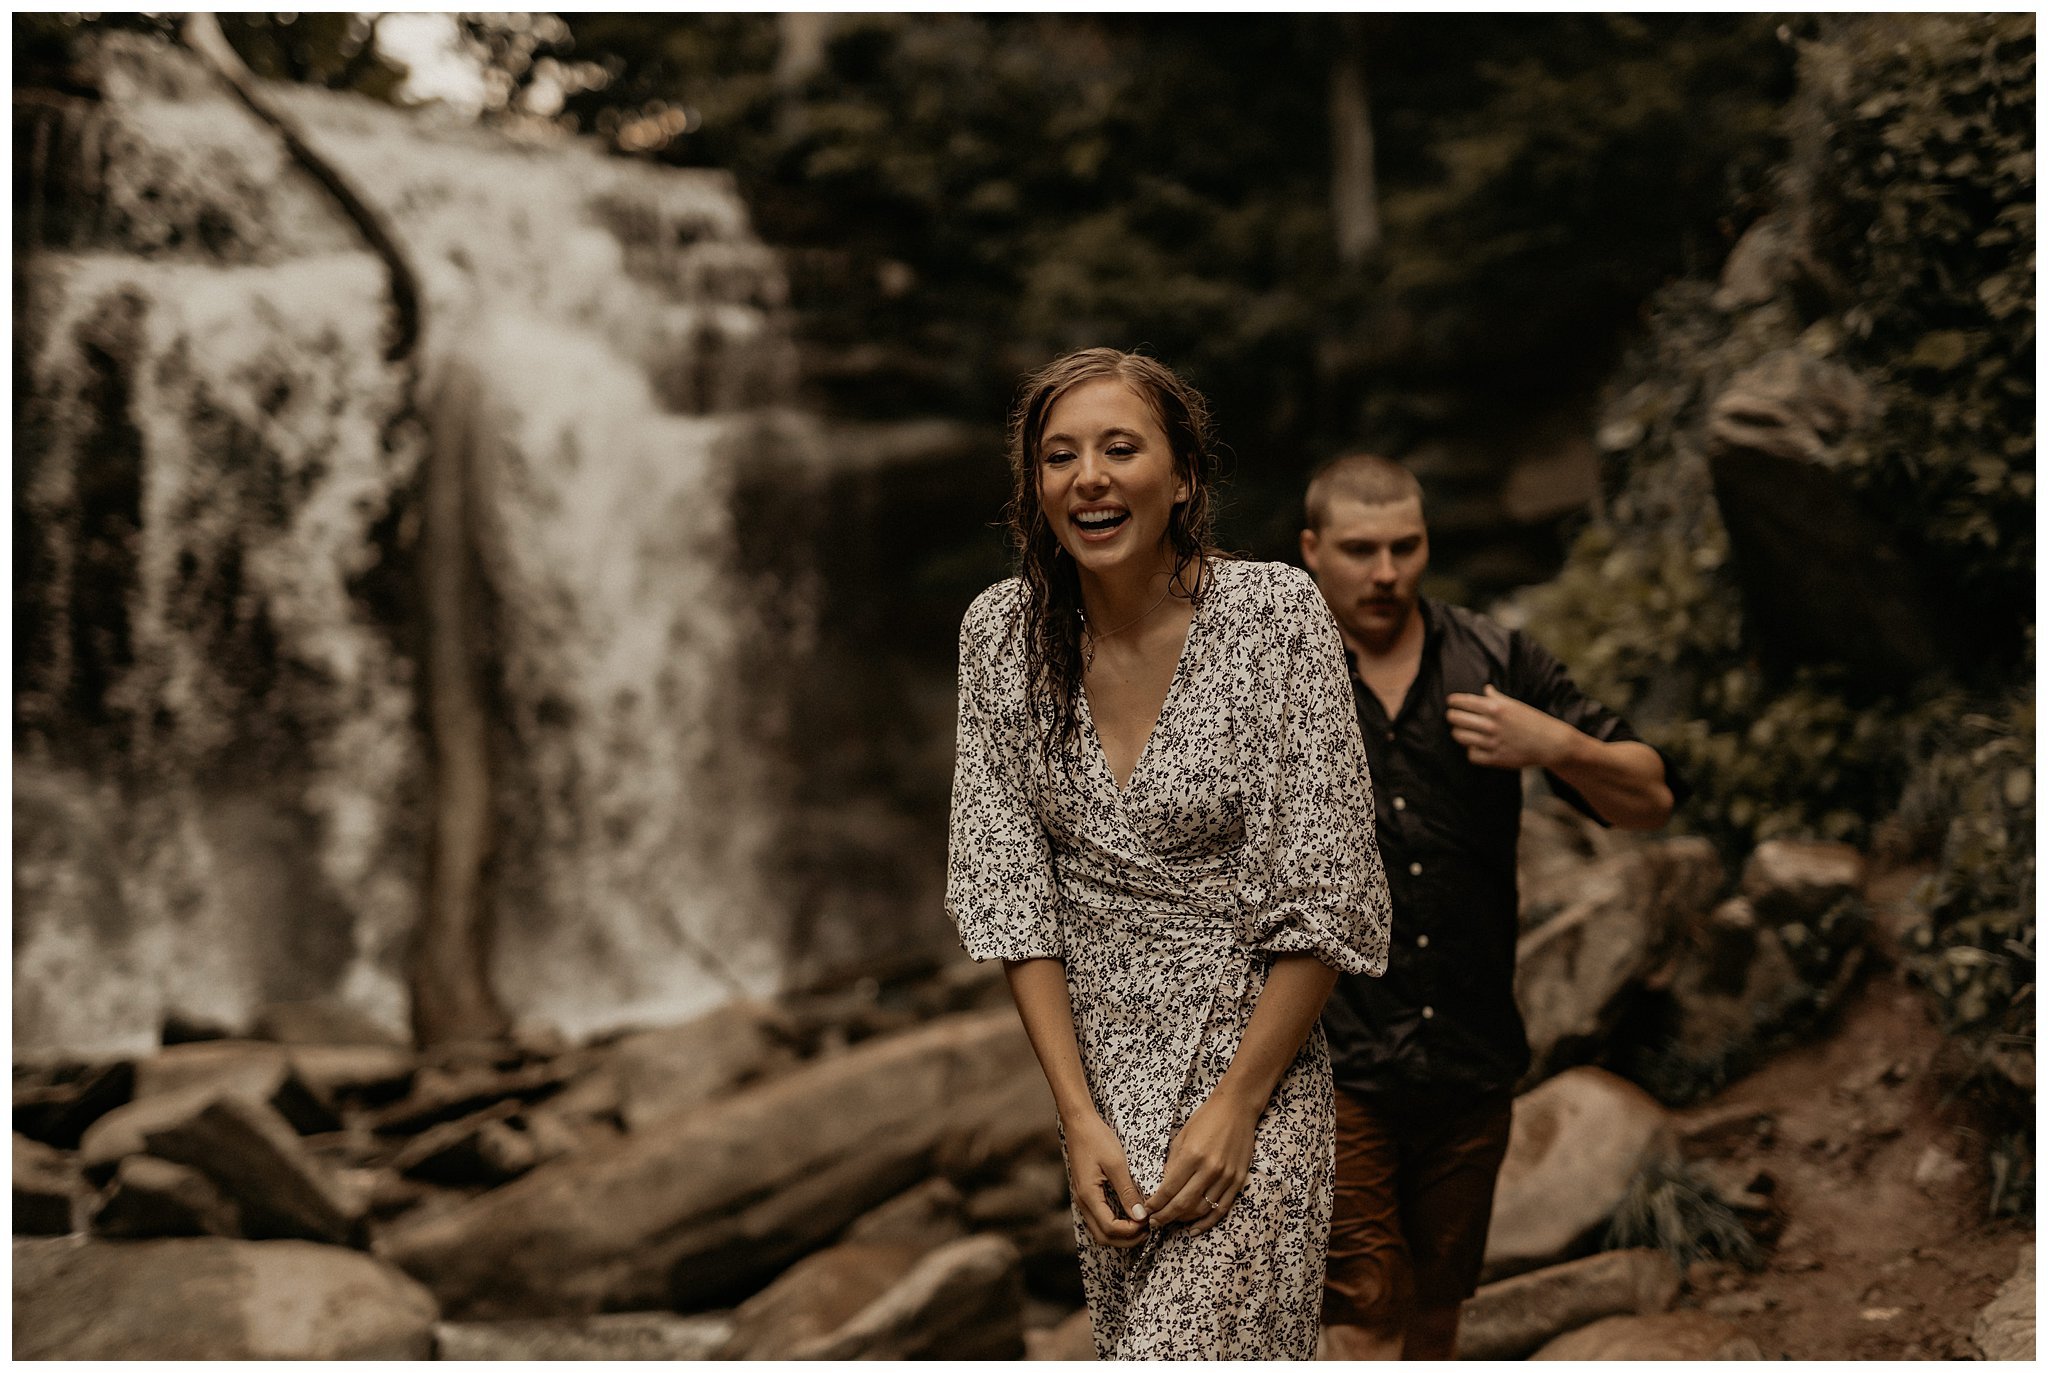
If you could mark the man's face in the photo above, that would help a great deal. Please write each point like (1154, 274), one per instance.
(1369, 560)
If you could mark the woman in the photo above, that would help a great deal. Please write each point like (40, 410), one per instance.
(1162, 823)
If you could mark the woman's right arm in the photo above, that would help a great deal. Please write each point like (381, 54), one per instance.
(1094, 1155)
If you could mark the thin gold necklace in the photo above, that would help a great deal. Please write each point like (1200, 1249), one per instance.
(1092, 639)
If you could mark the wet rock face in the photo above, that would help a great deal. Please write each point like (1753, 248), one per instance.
(220, 786)
(1575, 970)
(1823, 579)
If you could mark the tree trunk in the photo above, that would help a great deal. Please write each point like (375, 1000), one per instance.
(450, 980)
(1354, 192)
(451, 991)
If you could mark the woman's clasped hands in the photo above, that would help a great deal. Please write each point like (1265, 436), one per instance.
(1207, 1164)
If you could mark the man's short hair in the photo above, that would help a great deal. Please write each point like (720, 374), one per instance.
(1363, 477)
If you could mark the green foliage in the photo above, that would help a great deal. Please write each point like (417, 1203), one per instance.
(1669, 1208)
(1938, 314)
(965, 195)
(1926, 144)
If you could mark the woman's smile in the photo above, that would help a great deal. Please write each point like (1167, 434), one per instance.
(1106, 477)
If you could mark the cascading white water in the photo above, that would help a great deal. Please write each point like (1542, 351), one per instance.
(220, 771)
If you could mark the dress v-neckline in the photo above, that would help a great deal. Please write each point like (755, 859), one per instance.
(1166, 703)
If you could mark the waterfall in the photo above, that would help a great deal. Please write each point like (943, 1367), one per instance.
(221, 790)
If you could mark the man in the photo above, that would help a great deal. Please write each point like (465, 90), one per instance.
(1452, 707)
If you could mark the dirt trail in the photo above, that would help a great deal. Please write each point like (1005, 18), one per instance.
(1887, 1251)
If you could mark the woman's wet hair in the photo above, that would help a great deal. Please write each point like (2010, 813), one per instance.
(1052, 585)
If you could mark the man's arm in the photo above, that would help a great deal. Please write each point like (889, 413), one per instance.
(1622, 780)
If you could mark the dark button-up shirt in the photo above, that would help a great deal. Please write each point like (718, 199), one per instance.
(1444, 1015)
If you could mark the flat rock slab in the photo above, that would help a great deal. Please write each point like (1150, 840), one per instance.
(963, 1301)
(683, 1066)
(925, 1217)
(623, 1335)
(817, 1296)
(1577, 1143)
(250, 1069)
(1671, 1335)
(703, 1206)
(2005, 1327)
(213, 1299)
(1513, 1318)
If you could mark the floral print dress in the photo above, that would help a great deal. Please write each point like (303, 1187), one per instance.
(1246, 830)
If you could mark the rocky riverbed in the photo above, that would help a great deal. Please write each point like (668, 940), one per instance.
(873, 1171)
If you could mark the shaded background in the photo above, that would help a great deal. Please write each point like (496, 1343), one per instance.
(487, 567)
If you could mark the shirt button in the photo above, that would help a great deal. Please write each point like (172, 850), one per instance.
(1429, 1013)
(1415, 869)
(1400, 803)
(1390, 736)
(1421, 941)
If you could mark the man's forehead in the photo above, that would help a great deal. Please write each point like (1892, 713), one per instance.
(1383, 521)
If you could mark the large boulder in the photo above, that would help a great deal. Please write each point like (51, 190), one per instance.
(252, 1155)
(815, 1297)
(702, 1207)
(1786, 880)
(925, 1217)
(1555, 847)
(621, 1335)
(1669, 1335)
(1512, 1318)
(2004, 1329)
(1574, 971)
(1823, 578)
(1733, 981)
(683, 1066)
(250, 1069)
(1577, 1143)
(963, 1301)
(213, 1299)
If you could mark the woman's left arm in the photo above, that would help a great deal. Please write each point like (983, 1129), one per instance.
(1211, 1156)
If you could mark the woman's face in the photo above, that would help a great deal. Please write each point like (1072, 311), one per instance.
(1107, 480)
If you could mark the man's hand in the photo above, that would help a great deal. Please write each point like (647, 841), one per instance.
(1095, 1158)
(1206, 1165)
(1500, 732)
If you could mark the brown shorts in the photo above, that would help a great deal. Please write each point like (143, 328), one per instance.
(1415, 1174)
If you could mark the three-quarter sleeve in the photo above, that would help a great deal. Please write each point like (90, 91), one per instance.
(1324, 889)
(999, 882)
